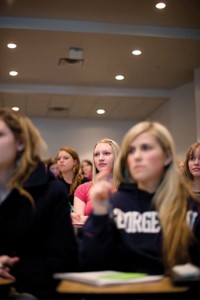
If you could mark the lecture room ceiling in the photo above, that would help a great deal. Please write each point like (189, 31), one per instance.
(69, 52)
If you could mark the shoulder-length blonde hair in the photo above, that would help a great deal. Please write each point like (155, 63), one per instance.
(115, 149)
(77, 177)
(190, 153)
(171, 196)
(33, 148)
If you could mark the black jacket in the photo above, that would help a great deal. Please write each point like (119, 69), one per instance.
(42, 236)
(70, 198)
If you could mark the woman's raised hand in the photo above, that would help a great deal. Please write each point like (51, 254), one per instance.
(100, 193)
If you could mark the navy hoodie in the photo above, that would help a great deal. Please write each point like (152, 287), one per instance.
(129, 238)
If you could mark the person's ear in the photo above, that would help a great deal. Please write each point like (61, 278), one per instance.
(168, 160)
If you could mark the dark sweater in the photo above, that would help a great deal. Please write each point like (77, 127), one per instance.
(128, 239)
(42, 237)
(70, 198)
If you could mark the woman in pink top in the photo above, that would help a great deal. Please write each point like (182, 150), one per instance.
(104, 156)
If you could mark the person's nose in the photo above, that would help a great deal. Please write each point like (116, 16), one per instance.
(197, 161)
(101, 156)
(137, 154)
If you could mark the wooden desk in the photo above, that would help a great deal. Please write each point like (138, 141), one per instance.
(164, 287)
(6, 281)
(5, 285)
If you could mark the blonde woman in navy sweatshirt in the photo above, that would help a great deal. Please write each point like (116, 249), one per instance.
(146, 225)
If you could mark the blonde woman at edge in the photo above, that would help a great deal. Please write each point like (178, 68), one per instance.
(192, 169)
(104, 156)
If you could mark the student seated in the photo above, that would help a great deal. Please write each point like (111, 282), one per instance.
(86, 168)
(146, 225)
(104, 156)
(191, 171)
(35, 223)
(68, 163)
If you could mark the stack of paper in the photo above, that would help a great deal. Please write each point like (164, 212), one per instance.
(103, 278)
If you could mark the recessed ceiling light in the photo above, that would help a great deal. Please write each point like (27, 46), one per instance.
(15, 108)
(136, 52)
(160, 5)
(13, 73)
(100, 111)
(11, 45)
(119, 77)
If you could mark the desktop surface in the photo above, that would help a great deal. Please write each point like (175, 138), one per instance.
(162, 286)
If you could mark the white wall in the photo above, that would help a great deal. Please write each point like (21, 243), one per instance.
(79, 134)
(178, 115)
(197, 100)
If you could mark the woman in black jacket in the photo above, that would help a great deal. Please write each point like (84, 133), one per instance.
(35, 223)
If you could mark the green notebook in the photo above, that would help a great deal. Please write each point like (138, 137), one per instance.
(123, 276)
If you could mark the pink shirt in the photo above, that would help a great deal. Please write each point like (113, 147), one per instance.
(82, 192)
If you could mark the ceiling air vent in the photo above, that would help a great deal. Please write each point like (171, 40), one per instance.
(58, 108)
(58, 112)
(75, 56)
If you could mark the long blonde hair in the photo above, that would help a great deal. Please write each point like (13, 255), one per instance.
(190, 152)
(171, 196)
(187, 175)
(33, 148)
